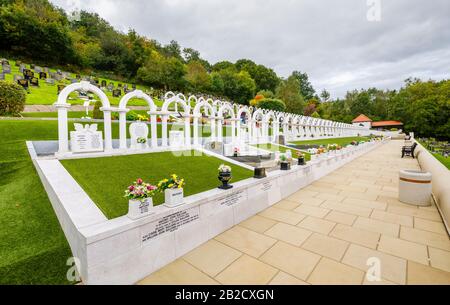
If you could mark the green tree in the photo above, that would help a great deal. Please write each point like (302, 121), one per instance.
(306, 89)
(237, 86)
(197, 77)
(289, 92)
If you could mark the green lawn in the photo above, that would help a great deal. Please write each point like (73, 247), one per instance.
(442, 159)
(282, 149)
(339, 141)
(117, 173)
(47, 94)
(33, 248)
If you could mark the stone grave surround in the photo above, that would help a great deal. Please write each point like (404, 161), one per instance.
(123, 251)
(245, 124)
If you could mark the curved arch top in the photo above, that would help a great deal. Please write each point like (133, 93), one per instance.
(137, 94)
(86, 86)
(226, 106)
(205, 104)
(175, 99)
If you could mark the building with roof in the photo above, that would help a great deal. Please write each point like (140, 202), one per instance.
(364, 121)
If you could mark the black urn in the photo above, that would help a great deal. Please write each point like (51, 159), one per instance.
(285, 166)
(225, 178)
(301, 160)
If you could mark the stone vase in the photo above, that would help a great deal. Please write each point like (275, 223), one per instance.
(173, 197)
(140, 208)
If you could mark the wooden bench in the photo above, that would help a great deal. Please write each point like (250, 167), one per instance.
(409, 150)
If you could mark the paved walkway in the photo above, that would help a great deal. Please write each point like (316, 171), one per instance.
(325, 233)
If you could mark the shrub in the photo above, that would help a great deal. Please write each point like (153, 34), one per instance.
(132, 116)
(12, 98)
(98, 114)
(272, 104)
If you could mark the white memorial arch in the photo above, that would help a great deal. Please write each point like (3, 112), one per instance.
(245, 125)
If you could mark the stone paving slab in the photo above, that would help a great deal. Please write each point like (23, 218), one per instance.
(325, 233)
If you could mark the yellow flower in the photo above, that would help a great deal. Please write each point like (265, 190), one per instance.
(171, 185)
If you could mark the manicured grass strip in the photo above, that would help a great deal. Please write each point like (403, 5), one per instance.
(441, 158)
(339, 141)
(105, 179)
(33, 248)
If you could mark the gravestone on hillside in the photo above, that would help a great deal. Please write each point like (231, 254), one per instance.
(17, 77)
(139, 133)
(32, 66)
(42, 75)
(37, 69)
(23, 83)
(103, 83)
(117, 93)
(2, 76)
(60, 88)
(6, 69)
(34, 82)
(50, 81)
(86, 139)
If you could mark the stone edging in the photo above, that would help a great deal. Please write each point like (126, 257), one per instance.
(441, 181)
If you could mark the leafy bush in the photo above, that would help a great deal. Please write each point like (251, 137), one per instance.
(12, 98)
(272, 104)
(132, 116)
(98, 114)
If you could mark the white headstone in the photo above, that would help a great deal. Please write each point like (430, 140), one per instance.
(176, 138)
(86, 139)
(139, 131)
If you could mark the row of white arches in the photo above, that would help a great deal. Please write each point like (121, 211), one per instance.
(246, 124)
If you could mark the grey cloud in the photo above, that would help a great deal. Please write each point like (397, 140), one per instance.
(331, 40)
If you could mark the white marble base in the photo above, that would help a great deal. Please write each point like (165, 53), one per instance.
(123, 251)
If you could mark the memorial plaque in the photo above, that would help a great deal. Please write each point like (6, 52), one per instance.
(138, 130)
(232, 199)
(176, 138)
(170, 223)
(86, 139)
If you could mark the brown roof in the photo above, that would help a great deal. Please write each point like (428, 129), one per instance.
(386, 123)
(361, 119)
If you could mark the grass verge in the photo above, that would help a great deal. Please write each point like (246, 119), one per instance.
(105, 179)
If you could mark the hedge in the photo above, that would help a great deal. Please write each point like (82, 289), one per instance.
(12, 99)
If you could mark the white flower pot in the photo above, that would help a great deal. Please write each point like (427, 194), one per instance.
(140, 208)
(173, 197)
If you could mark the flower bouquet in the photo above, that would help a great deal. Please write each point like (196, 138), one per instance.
(173, 190)
(140, 201)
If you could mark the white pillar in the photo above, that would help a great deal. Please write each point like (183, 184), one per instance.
(164, 129)
(233, 130)
(107, 129)
(63, 130)
(123, 129)
(196, 131)
(219, 130)
(213, 129)
(238, 130)
(187, 131)
(154, 129)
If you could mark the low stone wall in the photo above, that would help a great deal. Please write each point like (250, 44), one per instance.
(440, 182)
(123, 251)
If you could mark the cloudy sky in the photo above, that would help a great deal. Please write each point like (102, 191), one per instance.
(342, 45)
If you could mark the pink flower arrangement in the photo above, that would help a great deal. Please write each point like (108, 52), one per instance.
(140, 190)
